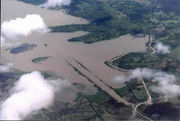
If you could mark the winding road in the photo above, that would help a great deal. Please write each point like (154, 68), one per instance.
(149, 98)
(88, 74)
(148, 102)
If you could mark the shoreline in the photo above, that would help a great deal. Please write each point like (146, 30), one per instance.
(90, 55)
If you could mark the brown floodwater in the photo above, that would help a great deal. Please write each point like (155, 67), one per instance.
(92, 56)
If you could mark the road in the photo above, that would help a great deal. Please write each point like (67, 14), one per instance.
(149, 42)
(148, 102)
(80, 68)
(110, 63)
(149, 98)
(93, 78)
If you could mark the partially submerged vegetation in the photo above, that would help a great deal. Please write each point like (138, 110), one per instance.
(22, 48)
(105, 21)
(134, 60)
(40, 59)
(110, 19)
(146, 60)
(118, 18)
(113, 18)
(34, 2)
(99, 31)
(163, 26)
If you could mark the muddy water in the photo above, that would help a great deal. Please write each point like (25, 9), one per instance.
(11, 9)
(92, 56)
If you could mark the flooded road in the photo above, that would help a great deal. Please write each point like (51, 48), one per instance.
(59, 49)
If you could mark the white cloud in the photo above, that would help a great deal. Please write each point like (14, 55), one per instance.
(22, 26)
(30, 93)
(8, 44)
(120, 79)
(54, 3)
(2, 41)
(138, 73)
(141, 73)
(6, 67)
(161, 48)
(165, 84)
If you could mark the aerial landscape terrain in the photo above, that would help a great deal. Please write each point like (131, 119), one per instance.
(90, 60)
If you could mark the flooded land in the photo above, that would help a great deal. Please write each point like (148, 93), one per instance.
(62, 52)
(109, 60)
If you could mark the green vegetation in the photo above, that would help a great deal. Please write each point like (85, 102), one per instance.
(140, 94)
(106, 22)
(47, 74)
(170, 6)
(113, 18)
(118, 17)
(39, 59)
(103, 105)
(163, 111)
(134, 60)
(100, 97)
(175, 53)
(133, 92)
(146, 60)
(91, 10)
(34, 2)
(122, 91)
(171, 39)
(99, 31)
